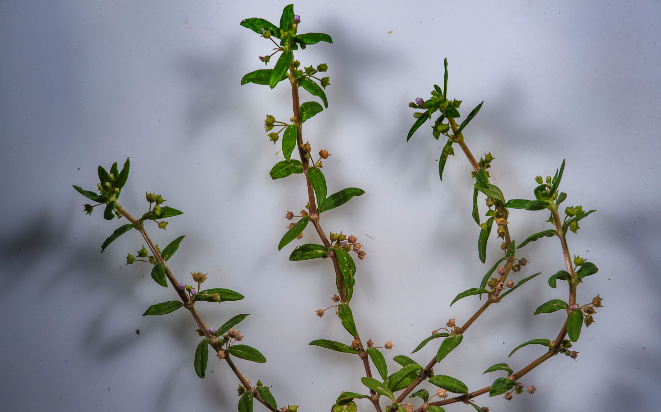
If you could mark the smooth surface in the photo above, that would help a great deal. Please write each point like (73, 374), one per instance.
(89, 83)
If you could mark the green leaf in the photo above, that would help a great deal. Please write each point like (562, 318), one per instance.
(500, 367)
(476, 212)
(574, 325)
(257, 25)
(158, 274)
(419, 122)
(587, 269)
(340, 198)
(448, 345)
(117, 233)
(289, 144)
(333, 345)
(123, 175)
(166, 212)
(379, 362)
(486, 277)
(404, 360)
(562, 275)
(482, 241)
(170, 249)
(230, 323)
(444, 157)
(265, 394)
(422, 394)
(434, 408)
(309, 109)
(246, 402)
(445, 79)
(395, 380)
(481, 179)
(308, 251)
(348, 270)
(469, 292)
(163, 308)
(477, 408)
(319, 184)
(347, 397)
(527, 204)
(347, 406)
(424, 342)
(314, 38)
(511, 250)
(108, 212)
(551, 306)
(226, 295)
(472, 114)
(557, 178)
(449, 383)
(280, 68)
(537, 236)
(294, 232)
(561, 197)
(262, 76)
(576, 219)
(201, 358)
(88, 194)
(286, 168)
(246, 352)
(500, 386)
(287, 18)
(104, 177)
(346, 316)
(314, 89)
(543, 342)
(491, 191)
(114, 171)
(451, 112)
(521, 282)
(378, 387)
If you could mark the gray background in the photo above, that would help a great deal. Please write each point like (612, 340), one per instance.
(89, 83)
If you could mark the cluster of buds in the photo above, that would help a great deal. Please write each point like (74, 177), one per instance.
(518, 389)
(235, 335)
(485, 162)
(188, 288)
(588, 310)
(269, 122)
(518, 264)
(349, 244)
(307, 149)
(142, 253)
(574, 211)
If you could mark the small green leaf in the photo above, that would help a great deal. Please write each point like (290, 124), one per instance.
(123, 175)
(476, 212)
(246, 352)
(511, 250)
(562, 275)
(378, 387)
(551, 306)
(257, 25)
(314, 38)
(469, 292)
(521, 282)
(527, 204)
(449, 383)
(346, 316)
(491, 191)
(163, 308)
(481, 179)
(170, 249)
(108, 213)
(404, 360)
(444, 157)
(166, 212)
(286, 168)
(422, 394)
(470, 116)
(486, 277)
(246, 402)
(265, 394)
(308, 251)
(482, 241)
(280, 68)
(294, 232)
(340, 198)
(348, 270)
(477, 408)
(262, 76)
(289, 144)
(445, 79)
(347, 397)
(587, 269)
(448, 345)
(226, 295)
(114, 171)
(434, 408)
(379, 362)
(421, 120)
(557, 178)
(500, 386)
(500, 367)
(314, 89)
(287, 18)
(451, 112)
(347, 406)
(104, 177)
(537, 236)
(395, 380)
(424, 342)
(158, 274)
(574, 325)
(561, 197)
(333, 345)
(309, 109)
(90, 195)
(201, 358)
(319, 184)
(117, 233)
(543, 342)
(230, 323)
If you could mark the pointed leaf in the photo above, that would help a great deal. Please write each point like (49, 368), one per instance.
(123, 175)
(557, 178)
(108, 213)
(319, 184)
(287, 17)
(314, 89)
(257, 25)
(551, 306)
(104, 176)
(404, 360)
(574, 325)
(451, 112)
(163, 308)
(379, 362)
(486, 277)
(286, 168)
(265, 394)
(348, 270)
(314, 38)
(470, 116)
(246, 352)
(469, 292)
(445, 79)
(289, 143)
(309, 109)
(88, 194)
(340, 198)
(587, 269)
(521, 282)
(117, 233)
(308, 251)
(477, 408)
(476, 212)
(448, 345)
(396, 378)
(246, 402)
(158, 274)
(230, 323)
(262, 76)
(422, 394)
(424, 342)
(491, 191)
(347, 397)
(500, 367)
(537, 236)
(444, 157)
(434, 408)
(543, 342)
(449, 383)
(527, 204)
(166, 212)
(280, 68)
(202, 358)
(511, 250)
(562, 275)
(378, 387)
(346, 316)
(170, 249)
(294, 232)
(226, 295)
(482, 241)
(500, 386)
(419, 122)
(333, 345)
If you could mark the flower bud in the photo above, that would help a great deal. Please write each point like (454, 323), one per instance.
(297, 19)
(239, 338)
(573, 226)
(325, 81)
(324, 154)
(320, 312)
(193, 292)
(143, 252)
(596, 302)
(531, 389)
(199, 277)
(292, 408)
(341, 237)
(212, 331)
(322, 67)
(388, 345)
(510, 284)
(266, 34)
(259, 383)
(151, 197)
(578, 261)
(518, 390)
(352, 239)
(442, 393)
(573, 307)
(182, 286)
(539, 180)
(370, 344)
(451, 323)
(273, 137)
(589, 310)
(162, 225)
(159, 200)
(157, 210)
(130, 259)
(361, 255)
(508, 396)
(333, 237)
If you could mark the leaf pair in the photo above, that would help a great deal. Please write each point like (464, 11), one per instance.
(324, 203)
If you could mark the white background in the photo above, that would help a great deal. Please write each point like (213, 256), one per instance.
(89, 83)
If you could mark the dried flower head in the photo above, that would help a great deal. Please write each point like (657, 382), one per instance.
(352, 239)
(335, 298)
(451, 323)
(510, 284)
(289, 215)
(508, 396)
(596, 302)
(239, 338)
(388, 345)
(355, 344)
(442, 393)
(370, 344)
(523, 262)
(531, 389)
(324, 154)
(516, 267)
(501, 270)
(361, 255)
(573, 354)
(356, 247)
(320, 312)
(199, 277)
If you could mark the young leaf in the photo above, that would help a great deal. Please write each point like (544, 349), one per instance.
(170, 249)
(449, 383)
(500, 367)
(451, 112)
(396, 378)
(551, 306)
(319, 184)
(90, 195)
(587, 269)
(557, 178)
(469, 292)
(511, 250)
(262, 76)
(378, 387)
(314, 89)
(444, 157)
(481, 179)
(314, 38)
(108, 213)
(266, 395)
(574, 325)
(348, 270)
(445, 79)
(346, 316)
(347, 406)
(500, 386)
(421, 120)
(163, 308)
(123, 175)
(230, 323)
(476, 212)
(104, 177)
(537, 236)
(491, 191)
(158, 274)
(201, 358)
(346, 397)
(294, 232)
(521, 282)
(246, 402)
(340, 198)
(486, 277)
(561, 197)
(117, 233)
(309, 109)
(257, 25)
(424, 342)
(226, 295)
(422, 394)
(544, 342)
(289, 142)
(308, 251)
(287, 17)
(482, 241)
(246, 352)
(379, 362)
(448, 345)
(333, 345)
(286, 168)
(166, 212)
(280, 68)
(434, 408)
(562, 275)
(470, 116)
(114, 171)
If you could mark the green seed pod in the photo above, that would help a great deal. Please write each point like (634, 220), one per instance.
(130, 259)
(539, 180)
(143, 252)
(322, 67)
